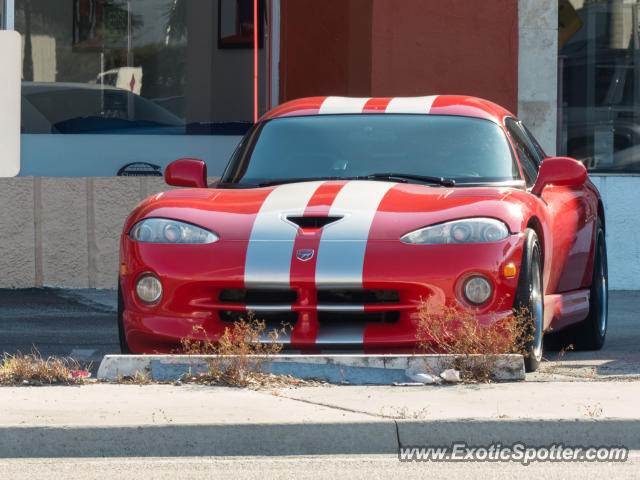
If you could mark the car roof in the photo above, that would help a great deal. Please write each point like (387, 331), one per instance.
(461, 105)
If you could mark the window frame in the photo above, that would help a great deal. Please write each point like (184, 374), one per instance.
(534, 142)
(517, 131)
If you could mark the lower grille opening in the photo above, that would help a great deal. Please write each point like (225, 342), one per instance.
(258, 296)
(358, 297)
(346, 318)
(272, 320)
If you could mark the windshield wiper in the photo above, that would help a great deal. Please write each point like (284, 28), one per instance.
(445, 182)
(235, 185)
(281, 181)
(278, 181)
(398, 177)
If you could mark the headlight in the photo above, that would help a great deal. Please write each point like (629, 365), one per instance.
(162, 230)
(149, 288)
(468, 230)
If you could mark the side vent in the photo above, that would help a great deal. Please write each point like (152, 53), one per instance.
(313, 222)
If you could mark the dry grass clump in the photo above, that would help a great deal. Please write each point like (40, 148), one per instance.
(139, 378)
(461, 333)
(553, 366)
(32, 369)
(239, 357)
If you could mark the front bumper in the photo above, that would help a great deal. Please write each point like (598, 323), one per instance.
(204, 292)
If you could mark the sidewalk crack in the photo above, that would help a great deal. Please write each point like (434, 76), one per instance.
(335, 407)
(395, 422)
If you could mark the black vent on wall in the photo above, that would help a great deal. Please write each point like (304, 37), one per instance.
(140, 169)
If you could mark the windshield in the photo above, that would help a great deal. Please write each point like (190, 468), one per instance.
(466, 149)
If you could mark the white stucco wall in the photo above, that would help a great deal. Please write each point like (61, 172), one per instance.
(620, 195)
(65, 232)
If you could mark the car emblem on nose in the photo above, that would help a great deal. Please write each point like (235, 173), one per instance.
(304, 254)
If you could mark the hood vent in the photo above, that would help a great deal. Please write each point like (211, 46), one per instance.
(313, 222)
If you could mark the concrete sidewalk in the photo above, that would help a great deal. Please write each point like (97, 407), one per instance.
(164, 420)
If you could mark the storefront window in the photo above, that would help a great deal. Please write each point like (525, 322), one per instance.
(600, 83)
(153, 73)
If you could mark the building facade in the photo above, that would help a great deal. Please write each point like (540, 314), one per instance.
(113, 89)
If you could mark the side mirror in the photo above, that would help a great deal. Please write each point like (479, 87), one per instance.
(561, 171)
(186, 172)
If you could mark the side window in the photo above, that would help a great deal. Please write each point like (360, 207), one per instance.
(536, 146)
(525, 154)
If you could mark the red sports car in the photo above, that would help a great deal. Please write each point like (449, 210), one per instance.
(341, 216)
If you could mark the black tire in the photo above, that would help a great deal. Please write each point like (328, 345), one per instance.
(530, 298)
(590, 334)
(124, 346)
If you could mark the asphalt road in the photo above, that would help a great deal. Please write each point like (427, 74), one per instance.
(61, 322)
(82, 323)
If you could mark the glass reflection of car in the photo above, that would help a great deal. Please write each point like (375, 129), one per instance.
(600, 115)
(621, 153)
(49, 107)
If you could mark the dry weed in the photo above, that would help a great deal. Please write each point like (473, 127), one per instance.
(139, 378)
(403, 413)
(32, 369)
(461, 333)
(240, 356)
(554, 366)
(593, 411)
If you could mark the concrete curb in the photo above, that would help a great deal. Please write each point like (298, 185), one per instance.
(200, 440)
(532, 432)
(355, 369)
(383, 436)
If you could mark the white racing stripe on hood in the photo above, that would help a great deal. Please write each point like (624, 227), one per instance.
(268, 261)
(343, 243)
(410, 104)
(342, 105)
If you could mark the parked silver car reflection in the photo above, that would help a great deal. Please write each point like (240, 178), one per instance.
(88, 108)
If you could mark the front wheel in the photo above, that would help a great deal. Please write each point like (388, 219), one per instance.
(529, 300)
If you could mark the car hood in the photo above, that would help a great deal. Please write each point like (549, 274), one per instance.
(361, 210)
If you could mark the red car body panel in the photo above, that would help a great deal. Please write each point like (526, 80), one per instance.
(193, 276)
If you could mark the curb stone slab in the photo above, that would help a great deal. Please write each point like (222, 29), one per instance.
(355, 369)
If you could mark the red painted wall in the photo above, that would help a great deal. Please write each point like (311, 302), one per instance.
(454, 46)
(394, 48)
(325, 48)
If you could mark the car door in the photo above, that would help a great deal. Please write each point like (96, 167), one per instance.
(571, 215)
